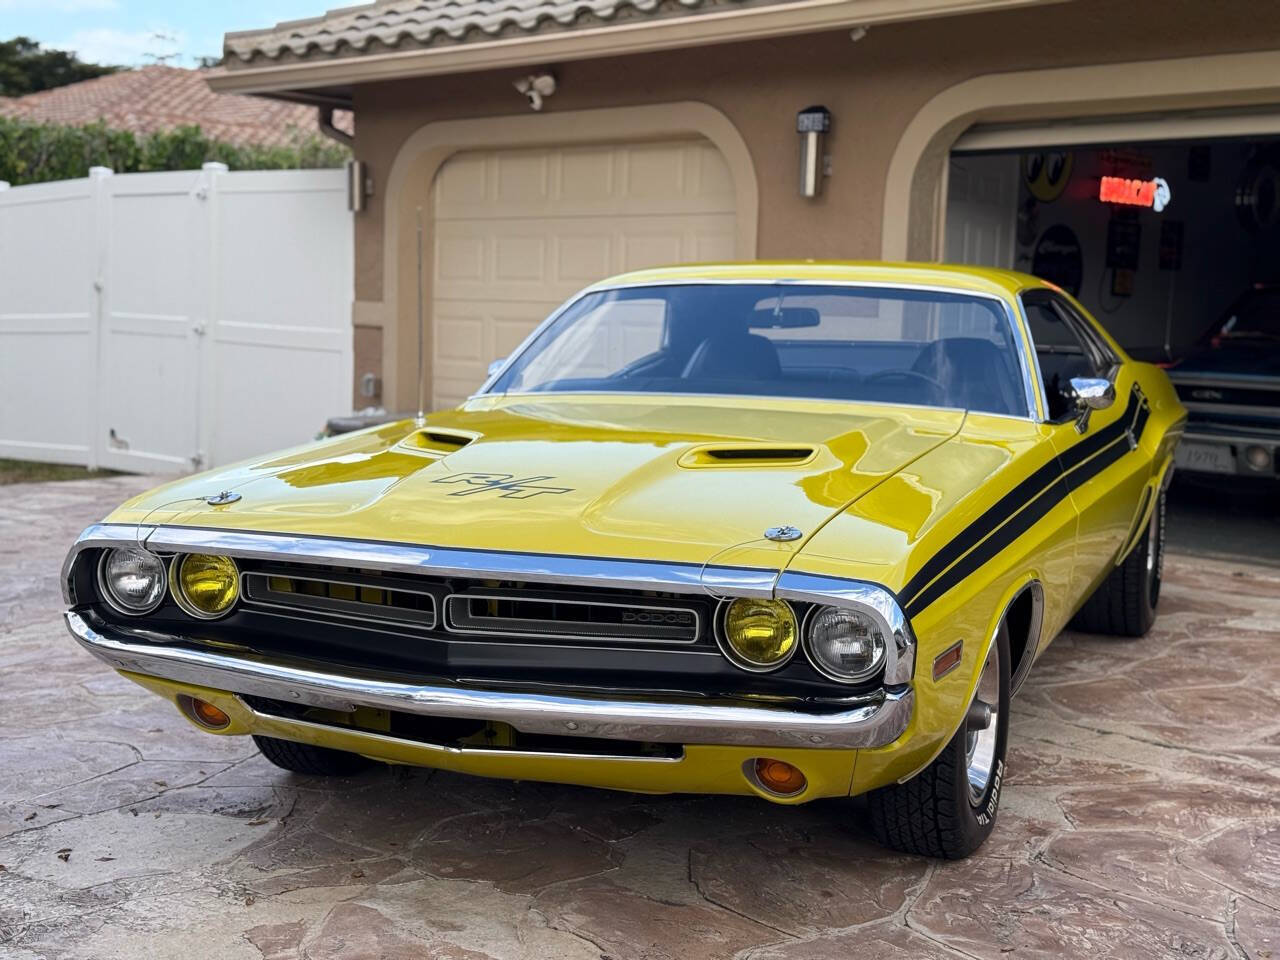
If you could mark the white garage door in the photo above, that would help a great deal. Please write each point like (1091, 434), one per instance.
(518, 231)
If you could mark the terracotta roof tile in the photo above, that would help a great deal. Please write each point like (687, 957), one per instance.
(156, 98)
(395, 23)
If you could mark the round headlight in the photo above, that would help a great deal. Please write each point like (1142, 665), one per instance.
(845, 644)
(131, 580)
(205, 586)
(759, 634)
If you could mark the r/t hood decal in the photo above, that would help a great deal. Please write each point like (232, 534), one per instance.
(511, 488)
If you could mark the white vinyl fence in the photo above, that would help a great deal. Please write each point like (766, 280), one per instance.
(172, 321)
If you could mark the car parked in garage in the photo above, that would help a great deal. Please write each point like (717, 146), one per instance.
(1230, 385)
(794, 530)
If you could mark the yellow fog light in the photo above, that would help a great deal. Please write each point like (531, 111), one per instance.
(758, 635)
(205, 586)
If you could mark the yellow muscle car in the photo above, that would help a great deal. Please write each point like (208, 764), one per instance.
(796, 530)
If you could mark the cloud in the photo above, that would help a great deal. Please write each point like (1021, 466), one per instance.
(126, 47)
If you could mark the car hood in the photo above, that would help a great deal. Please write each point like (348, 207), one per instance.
(670, 479)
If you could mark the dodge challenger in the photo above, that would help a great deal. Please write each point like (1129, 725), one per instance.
(794, 530)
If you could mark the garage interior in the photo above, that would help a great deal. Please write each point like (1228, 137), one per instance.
(1158, 239)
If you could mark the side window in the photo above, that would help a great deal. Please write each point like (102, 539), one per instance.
(1064, 349)
(1103, 356)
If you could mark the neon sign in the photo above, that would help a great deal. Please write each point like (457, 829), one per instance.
(1135, 193)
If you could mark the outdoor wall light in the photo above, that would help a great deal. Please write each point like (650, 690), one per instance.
(812, 123)
(359, 185)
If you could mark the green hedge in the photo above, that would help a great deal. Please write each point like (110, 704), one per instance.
(35, 153)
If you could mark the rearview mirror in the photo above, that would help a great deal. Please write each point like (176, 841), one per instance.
(1091, 393)
(495, 366)
(785, 318)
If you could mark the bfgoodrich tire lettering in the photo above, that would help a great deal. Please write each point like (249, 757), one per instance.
(935, 813)
(304, 758)
(1125, 604)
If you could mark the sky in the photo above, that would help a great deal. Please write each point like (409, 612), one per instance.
(137, 32)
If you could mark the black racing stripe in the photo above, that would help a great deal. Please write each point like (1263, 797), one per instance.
(1011, 503)
(1016, 527)
(964, 541)
(1105, 448)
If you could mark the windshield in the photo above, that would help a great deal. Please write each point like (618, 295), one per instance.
(885, 345)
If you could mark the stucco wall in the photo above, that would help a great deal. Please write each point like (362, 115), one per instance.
(874, 88)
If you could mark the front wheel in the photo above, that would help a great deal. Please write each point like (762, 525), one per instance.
(948, 809)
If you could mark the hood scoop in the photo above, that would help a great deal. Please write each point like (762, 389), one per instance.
(436, 443)
(748, 455)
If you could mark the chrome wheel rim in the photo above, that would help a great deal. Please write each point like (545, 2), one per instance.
(1153, 551)
(980, 741)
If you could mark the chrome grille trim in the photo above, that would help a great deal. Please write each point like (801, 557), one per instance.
(545, 629)
(257, 592)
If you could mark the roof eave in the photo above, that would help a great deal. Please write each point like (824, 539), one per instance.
(645, 36)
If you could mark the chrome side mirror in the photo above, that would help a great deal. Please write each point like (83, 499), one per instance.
(1091, 393)
(495, 366)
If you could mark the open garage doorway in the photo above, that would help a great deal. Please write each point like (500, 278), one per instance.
(1174, 245)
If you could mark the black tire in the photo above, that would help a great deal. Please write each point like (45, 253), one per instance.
(315, 761)
(935, 813)
(1125, 604)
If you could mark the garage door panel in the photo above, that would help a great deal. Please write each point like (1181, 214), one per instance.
(583, 258)
(462, 182)
(520, 259)
(518, 231)
(588, 177)
(656, 172)
(678, 179)
(712, 181)
(651, 249)
(523, 178)
(714, 245)
(459, 259)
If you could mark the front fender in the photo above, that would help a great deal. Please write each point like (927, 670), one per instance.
(941, 704)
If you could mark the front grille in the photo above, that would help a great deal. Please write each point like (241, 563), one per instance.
(1193, 394)
(519, 613)
(387, 600)
(475, 611)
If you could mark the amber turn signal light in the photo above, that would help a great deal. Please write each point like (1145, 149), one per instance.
(204, 713)
(780, 777)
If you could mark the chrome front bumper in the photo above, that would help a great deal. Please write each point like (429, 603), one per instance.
(868, 721)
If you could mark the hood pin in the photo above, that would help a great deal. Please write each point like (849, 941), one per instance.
(222, 499)
(783, 533)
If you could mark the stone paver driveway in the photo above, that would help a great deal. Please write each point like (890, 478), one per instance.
(1141, 819)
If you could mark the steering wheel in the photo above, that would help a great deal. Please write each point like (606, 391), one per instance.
(903, 375)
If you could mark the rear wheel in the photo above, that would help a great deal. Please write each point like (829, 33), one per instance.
(1125, 604)
(304, 758)
(948, 809)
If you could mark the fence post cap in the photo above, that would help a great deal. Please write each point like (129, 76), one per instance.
(99, 172)
(214, 166)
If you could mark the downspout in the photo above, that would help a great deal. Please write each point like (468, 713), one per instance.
(359, 185)
(333, 133)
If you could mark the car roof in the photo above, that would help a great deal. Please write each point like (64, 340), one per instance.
(968, 279)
